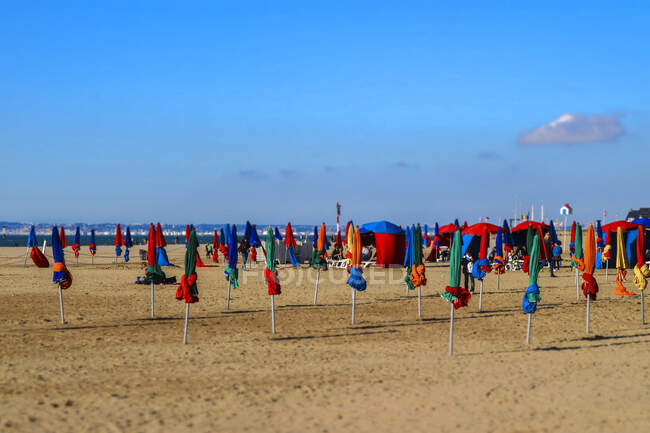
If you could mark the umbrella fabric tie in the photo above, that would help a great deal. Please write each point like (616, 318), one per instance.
(498, 266)
(61, 275)
(590, 286)
(621, 275)
(118, 251)
(418, 277)
(531, 298)
(272, 281)
(640, 275)
(253, 254)
(607, 252)
(187, 290)
(75, 249)
(407, 278)
(224, 251)
(231, 276)
(39, 258)
(356, 280)
(526, 264)
(92, 248)
(478, 270)
(457, 296)
(580, 263)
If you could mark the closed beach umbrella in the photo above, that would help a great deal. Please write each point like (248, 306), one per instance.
(36, 254)
(641, 271)
(531, 297)
(64, 241)
(622, 263)
(76, 246)
(589, 285)
(161, 243)
(232, 273)
(128, 243)
(119, 241)
(92, 247)
(290, 243)
(215, 247)
(187, 290)
(356, 281)
(456, 295)
(319, 258)
(417, 274)
(153, 274)
(552, 232)
(278, 236)
(60, 275)
(271, 274)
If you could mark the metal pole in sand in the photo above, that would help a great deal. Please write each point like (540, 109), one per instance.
(530, 317)
(587, 325)
(273, 314)
(354, 301)
(606, 269)
(61, 304)
(419, 302)
(316, 288)
(480, 297)
(228, 299)
(642, 308)
(498, 281)
(92, 259)
(451, 329)
(152, 302)
(187, 319)
(577, 286)
(44, 245)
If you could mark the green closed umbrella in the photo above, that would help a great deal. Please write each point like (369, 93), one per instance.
(576, 259)
(529, 240)
(456, 295)
(271, 274)
(188, 291)
(531, 297)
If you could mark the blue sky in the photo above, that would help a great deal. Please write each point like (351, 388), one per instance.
(273, 111)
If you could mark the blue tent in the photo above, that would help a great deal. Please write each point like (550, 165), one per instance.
(381, 227)
(643, 221)
(408, 256)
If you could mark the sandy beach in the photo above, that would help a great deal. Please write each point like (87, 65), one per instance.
(112, 368)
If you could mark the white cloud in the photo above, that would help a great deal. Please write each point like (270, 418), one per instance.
(575, 128)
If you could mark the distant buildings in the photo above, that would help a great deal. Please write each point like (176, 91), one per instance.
(643, 212)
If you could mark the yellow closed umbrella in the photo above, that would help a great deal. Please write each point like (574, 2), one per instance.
(622, 263)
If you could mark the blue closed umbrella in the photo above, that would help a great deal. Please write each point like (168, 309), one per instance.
(407, 254)
(254, 238)
(128, 243)
(57, 251)
(315, 237)
(278, 236)
(552, 232)
(231, 271)
(499, 243)
(31, 240)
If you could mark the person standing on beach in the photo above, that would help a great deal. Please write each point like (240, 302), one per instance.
(557, 255)
(548, 244)
(468, 264)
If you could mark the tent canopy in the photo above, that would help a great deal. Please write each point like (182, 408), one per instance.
(381, 227)
(449, 228)
(614, 225)
(479, 228)
(642, 221)
(524, 226)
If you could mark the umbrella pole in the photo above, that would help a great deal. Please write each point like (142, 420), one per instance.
(530, 318)
(26, 253)
(92, 259)
(419, 302)
(577, 286)
(588, 304)
(152, 301)
(606, 269)
(187, 319)
(44, 245)
(642, 308)
(498, 281)
(480, 297)
(77, 259)
(316, 288)
(61, 304)
(451, 329)
(354, 301)
(228, 299)
(273, 314)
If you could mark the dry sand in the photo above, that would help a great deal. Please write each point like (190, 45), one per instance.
(113, 369)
